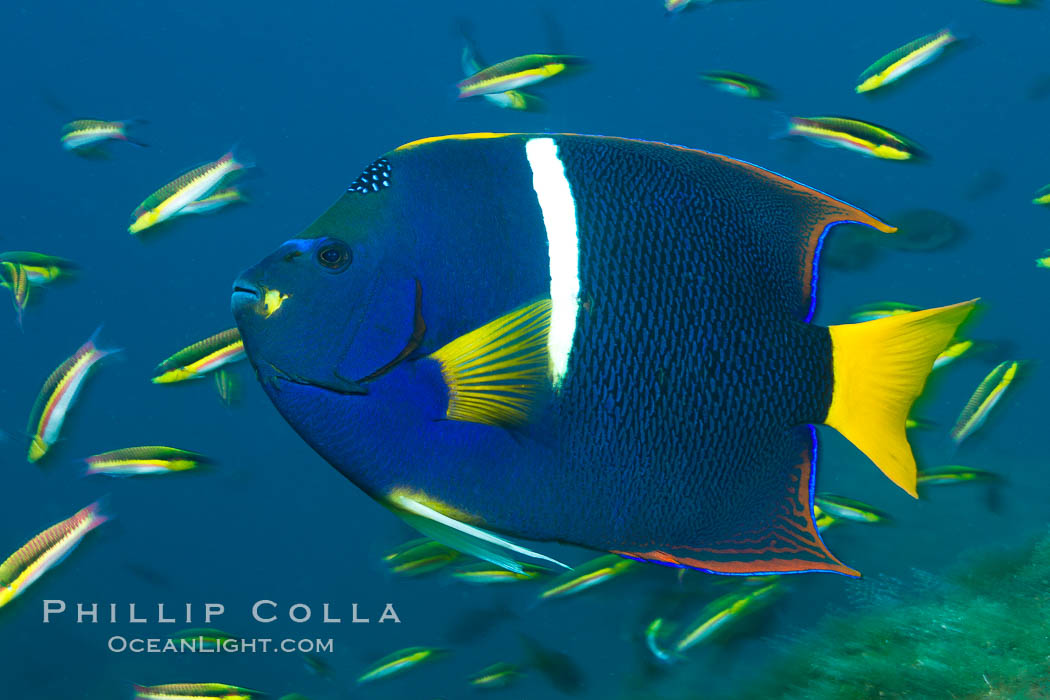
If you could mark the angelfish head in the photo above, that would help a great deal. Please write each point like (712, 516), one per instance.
(333, 305)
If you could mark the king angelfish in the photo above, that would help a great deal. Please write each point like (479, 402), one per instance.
(589, 340)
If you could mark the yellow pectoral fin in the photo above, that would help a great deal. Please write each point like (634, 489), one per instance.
(880, 368)
(495, 373)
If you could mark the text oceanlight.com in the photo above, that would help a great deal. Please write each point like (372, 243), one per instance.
(137, 645)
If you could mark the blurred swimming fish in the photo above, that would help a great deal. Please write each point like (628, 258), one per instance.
(955, 474)
(880, 309)
(204, 356)
(498, 675)
(418, 557)
(1044, 262)
(515, 73)
(207, 638)
(228, 387)
(924, 230)
(87, 133)
(676, 6)
(558, 668)
(854, 135)
(1013, 3)
(502, 383)
(508, 99)
(822, 520)
(399, 662)
(844, 508)
(899, 62)
(58, 395)
(485, 574)
(46, 550)
(317, 665)
(40, 269)
(984, 399)
(722, 613)
(218, 199)
(139, 461)
(14, 277)
(1042, 196)
(918, 424)
(196, 691)
(654, 633)
(187, 188)
(588, 575)
(738, 84)
(952, 353)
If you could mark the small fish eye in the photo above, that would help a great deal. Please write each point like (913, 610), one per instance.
(335, 255)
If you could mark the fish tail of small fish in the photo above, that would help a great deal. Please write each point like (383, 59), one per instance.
(880, 368)
(92, 346)
(95, 514)
(240, 157)
(783, 126)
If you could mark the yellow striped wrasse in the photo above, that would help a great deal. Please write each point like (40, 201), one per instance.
(508, 99)
(988, 394)
(898, 63)
(1044, 262)
(150, 459)
(952, 353)
(1042, 196)
(46, 550)
(228, 387)
(203, 637)
(515, 73)
(399, 662)
(194, 691)
(588, 575)
(14, 277)
(40, 269)
(842, 508)
(880, 309)
(420, 556)
(84, 133)
(725, 611)
(738, 84)
(214, 201)
(200, 358)
(854, 135)
(484, 574)
(498, 675)
(189, 187)
(58, 394)
(954, 474)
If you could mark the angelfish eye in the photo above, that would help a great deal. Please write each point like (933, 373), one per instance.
(335, 255)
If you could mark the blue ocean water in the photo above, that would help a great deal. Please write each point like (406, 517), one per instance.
(317, 91)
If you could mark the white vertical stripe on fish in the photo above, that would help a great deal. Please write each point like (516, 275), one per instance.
(559, 218)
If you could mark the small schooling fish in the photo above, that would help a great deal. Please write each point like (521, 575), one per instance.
(515, 73)
(84, 134)
(987, 395)
(190, 187)
(58, 395)
(137, 461)
(46, 550)
(202, 357)
(854, 135)
(899, 62)
(738, 84)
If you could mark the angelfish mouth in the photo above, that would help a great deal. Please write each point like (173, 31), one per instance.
(244, 294)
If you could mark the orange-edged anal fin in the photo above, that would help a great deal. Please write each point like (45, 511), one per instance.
(784, 540)
(880, 367)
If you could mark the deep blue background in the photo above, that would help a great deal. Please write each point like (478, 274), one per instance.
(316, 91)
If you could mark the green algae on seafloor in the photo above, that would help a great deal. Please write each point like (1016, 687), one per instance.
(983, 635)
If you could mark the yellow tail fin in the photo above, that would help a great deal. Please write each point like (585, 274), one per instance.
(880, 368)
